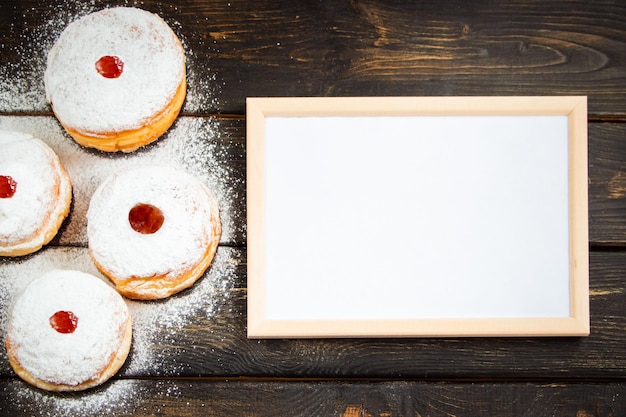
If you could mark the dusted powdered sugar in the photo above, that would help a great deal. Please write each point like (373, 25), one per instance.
(154, 66)
(177, 246)
(67, 358)
(33, 166)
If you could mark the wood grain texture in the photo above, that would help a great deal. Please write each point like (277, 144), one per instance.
(319, 398)
(598, 356)
(214, 149)
(202, 332)
(352, 48)
(190, 354)
(607, 184)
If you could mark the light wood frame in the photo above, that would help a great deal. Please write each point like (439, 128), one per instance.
(574, 108)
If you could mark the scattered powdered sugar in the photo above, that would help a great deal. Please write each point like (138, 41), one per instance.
(159, 325)
(116, 398)
(159, 329)
(20, 95)
(203, 89)
(199, 145)
(162, 329)
(22, 88)
(195, 145)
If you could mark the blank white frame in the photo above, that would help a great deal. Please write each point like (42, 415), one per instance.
(537, 143)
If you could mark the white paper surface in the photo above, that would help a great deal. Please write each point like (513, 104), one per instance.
(416, 217)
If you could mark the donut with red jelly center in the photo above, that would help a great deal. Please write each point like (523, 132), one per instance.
(68, 331)
(116, 78)
(35, 193)
(153, 230)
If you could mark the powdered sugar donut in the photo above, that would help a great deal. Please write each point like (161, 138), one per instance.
(35, 194)
(152, 230)
(116, 78)
(68, 331)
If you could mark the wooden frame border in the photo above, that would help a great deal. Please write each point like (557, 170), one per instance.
(574, 107)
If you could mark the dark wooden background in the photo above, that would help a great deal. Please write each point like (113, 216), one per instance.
(205, 365)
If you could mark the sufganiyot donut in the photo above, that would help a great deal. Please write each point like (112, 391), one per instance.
(152, 230)
(35, 194)
(68, 331)
(116, 78)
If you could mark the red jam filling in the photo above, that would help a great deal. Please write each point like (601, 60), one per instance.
(110, 66)
(145, 218)
(64, 321)
(7, 186)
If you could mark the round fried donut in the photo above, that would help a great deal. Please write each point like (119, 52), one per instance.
(116, 78)
(152, 230)
(68, 331)
(35, 194)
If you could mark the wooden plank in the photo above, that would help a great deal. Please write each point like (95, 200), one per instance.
(214, 149)
(202, 332)
(470, 358)
(370, 47)
(318, 398)
(607, 184)
(258, 48)
(167, 335)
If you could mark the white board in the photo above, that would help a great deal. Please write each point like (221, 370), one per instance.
(413, 223)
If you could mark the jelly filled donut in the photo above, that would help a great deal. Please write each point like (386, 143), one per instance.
(35, 194)
(116, 78)
(152, 230)
(68, 331)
